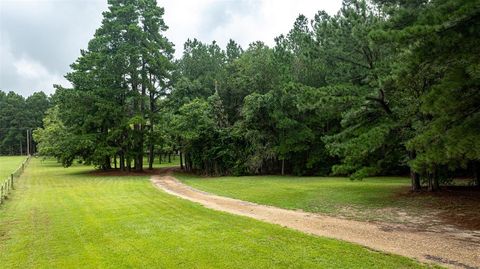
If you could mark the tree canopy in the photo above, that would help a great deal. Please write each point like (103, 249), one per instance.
(380, 88)
(19, 115)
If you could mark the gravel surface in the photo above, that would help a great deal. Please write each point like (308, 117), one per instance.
(449, 249)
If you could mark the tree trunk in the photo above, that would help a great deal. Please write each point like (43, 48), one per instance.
(181, 160)
(151, 156)
(415, 177)
(122, 161)
(436, 183)
(476, 173)
(283, 167)
(115, 161)
(433, 183)
(430, 182)
(107, 163)
(215, 168)
(160, 158)
(139, 167)
(415, 181)
(151, 115)
(169, 157)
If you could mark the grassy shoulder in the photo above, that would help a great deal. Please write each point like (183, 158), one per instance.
(377, 198)
(64, 218)
(8, 164)
(313, 194)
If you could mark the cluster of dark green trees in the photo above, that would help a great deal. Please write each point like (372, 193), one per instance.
(112, 109)
(383, 87)
(18, 118)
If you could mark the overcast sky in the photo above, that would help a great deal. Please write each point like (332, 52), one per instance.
(39, 39)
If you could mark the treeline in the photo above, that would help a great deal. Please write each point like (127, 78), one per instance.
(18, 118)
(383, 87)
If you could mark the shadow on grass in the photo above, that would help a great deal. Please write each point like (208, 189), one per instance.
(119, 173)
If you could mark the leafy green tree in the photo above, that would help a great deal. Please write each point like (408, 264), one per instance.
(17, 115)
(117, 84)
(55, 140)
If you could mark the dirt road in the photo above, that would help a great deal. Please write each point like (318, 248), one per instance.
(447, 249)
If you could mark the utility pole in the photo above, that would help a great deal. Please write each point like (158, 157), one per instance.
(28, 142)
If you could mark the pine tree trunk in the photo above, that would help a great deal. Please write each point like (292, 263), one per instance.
(151, 115)
(122, 161)
(283, 167)
(433, 182)
(215, 168)
(476, 173)
(181, 160)
(115, 161)
(107, 163)
(415, 181)
(139, 167)
(415, 177)
(436, 183)
(151, 156)
(430, 182)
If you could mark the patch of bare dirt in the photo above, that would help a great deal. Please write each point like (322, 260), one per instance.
(453, 247)
(452, 206)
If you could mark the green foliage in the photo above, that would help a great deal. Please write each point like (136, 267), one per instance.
(382, 87)
(348, 94)
(117, 83)
(17, 114)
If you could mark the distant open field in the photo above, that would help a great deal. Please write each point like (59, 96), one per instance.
(65, 218)
(174, 161)
(8, 164)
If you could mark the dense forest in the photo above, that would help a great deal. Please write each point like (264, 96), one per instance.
(384, 87)
(19, 116)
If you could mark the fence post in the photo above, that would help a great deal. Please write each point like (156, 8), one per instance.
(12, 181)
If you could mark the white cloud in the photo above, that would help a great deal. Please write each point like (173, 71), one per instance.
(257, 20)
(29, 69)
(39, 39)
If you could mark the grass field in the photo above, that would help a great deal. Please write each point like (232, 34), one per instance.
(67, 218)
(383, 199)
(174, 161)
(8, 164)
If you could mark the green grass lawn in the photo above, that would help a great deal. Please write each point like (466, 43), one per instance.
(369, 199)
(174, 161)
(66, 218)
(8, 164)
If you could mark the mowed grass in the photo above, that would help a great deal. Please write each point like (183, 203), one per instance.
(361, 200)
(174, 161)
(8, 164)
(67, 218)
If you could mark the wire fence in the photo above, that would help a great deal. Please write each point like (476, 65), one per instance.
(9, 183)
